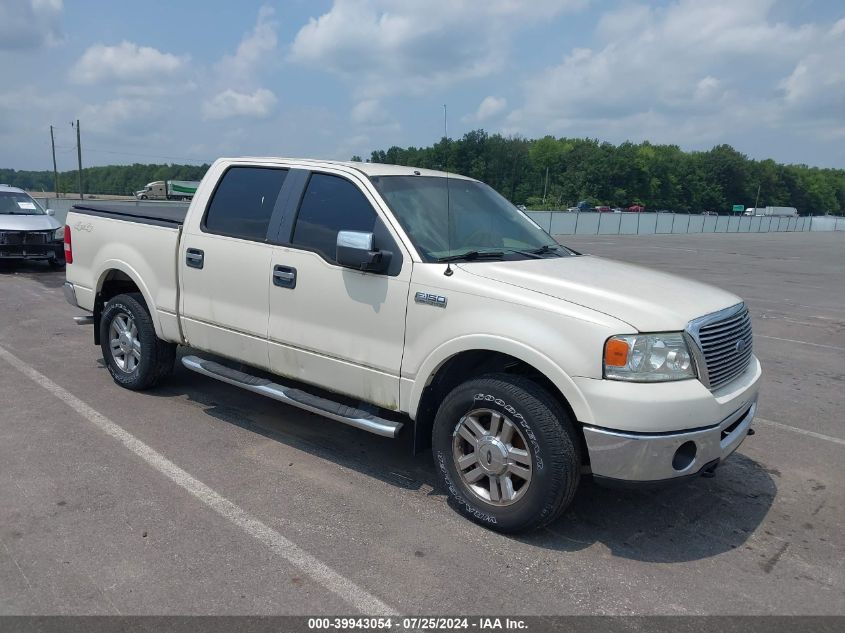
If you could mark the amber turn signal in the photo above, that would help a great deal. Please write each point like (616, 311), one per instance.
(615, 353)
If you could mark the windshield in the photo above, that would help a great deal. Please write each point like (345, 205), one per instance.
(18, 203)
(482, 221)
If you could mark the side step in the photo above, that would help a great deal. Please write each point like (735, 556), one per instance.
(295, 397)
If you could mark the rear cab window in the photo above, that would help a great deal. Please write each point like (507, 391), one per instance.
(243, 202)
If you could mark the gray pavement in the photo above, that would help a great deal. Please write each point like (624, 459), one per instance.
(88, 525)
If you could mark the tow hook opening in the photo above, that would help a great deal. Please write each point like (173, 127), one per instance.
(684, 456)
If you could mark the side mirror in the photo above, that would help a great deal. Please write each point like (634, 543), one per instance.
(355, 250)
(50, 212)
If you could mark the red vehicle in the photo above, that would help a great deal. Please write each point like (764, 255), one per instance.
(636, 208)
(604, 209)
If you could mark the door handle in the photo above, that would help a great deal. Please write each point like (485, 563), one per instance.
(284, 276)
(194, 258)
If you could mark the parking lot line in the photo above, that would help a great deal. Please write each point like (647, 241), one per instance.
(792, 340)
(321, 573)
(795, 429)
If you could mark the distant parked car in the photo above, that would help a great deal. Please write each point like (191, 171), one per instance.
(27, 231)
(709, 213)
(636, 208)
(602, 209)
(573, 210)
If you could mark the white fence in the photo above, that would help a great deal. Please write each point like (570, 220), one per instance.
(562, 223)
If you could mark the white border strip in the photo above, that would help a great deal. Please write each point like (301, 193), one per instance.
(795, 429)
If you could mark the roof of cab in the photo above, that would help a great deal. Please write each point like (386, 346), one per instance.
(10, 188)
(368, 169)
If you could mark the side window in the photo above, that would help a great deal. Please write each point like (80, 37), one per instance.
(331, 204)
(244, 201)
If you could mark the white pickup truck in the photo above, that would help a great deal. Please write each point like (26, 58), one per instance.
(392, 298)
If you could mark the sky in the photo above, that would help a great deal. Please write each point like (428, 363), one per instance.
(189, 81)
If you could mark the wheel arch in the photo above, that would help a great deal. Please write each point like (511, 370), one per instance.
(118, 278)
(470, 357)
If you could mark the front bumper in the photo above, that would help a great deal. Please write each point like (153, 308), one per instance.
(51, 250)
(627, 457)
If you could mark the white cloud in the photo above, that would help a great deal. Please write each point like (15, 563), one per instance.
(385, 47)
(127, 62)
(254, 50)
(488, 108)
(238, 93)
(230, 103)
(816, 86)
(28, 24)
(369, 112)
(112, 115)
(686, 72)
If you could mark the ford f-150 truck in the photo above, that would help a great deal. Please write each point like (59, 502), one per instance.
(393, 298)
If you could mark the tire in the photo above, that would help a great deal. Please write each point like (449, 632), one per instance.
(56, 263)
(129, 313)
(542, 433)
(143, 197)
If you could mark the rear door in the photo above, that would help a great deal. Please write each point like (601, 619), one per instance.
(225, 264)
(338, 328)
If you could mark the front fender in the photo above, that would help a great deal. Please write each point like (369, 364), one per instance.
(525, 353)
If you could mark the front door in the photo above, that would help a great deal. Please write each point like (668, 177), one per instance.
(332, 326)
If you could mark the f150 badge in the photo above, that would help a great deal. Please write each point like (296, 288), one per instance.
(430, 299)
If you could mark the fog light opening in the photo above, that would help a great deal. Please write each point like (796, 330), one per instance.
(684, 456)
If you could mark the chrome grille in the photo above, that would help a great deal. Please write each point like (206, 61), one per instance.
(725, 344)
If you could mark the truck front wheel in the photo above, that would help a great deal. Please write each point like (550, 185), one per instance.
(137, 359)
(506, 452)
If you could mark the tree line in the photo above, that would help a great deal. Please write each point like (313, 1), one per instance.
(552, 173)
(123, 180)
(555, 173)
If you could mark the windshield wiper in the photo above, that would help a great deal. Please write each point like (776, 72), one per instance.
(471, 255)
(545, 248)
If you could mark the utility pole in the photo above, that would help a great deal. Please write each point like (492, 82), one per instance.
(55, 171)
(79, 158)
(757, 199)
(546, 187)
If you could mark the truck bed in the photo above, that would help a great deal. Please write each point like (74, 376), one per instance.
(150, 213)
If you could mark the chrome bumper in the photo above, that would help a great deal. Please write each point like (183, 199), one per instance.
(655, 457)
(70, 294)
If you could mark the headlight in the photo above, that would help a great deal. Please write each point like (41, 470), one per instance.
(59, 233)
(648, 358)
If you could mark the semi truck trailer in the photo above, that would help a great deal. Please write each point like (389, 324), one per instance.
(168, 190)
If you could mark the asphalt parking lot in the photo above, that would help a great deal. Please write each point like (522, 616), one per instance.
(199, 498)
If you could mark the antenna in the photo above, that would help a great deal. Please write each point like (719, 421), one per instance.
(448, 272)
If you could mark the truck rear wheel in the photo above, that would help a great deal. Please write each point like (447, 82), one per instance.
(506, 453)
(137, 359)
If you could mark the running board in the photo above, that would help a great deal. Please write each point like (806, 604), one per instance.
(295, 397)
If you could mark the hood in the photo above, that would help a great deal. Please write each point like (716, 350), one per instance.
(648, 300)
(28, 222)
